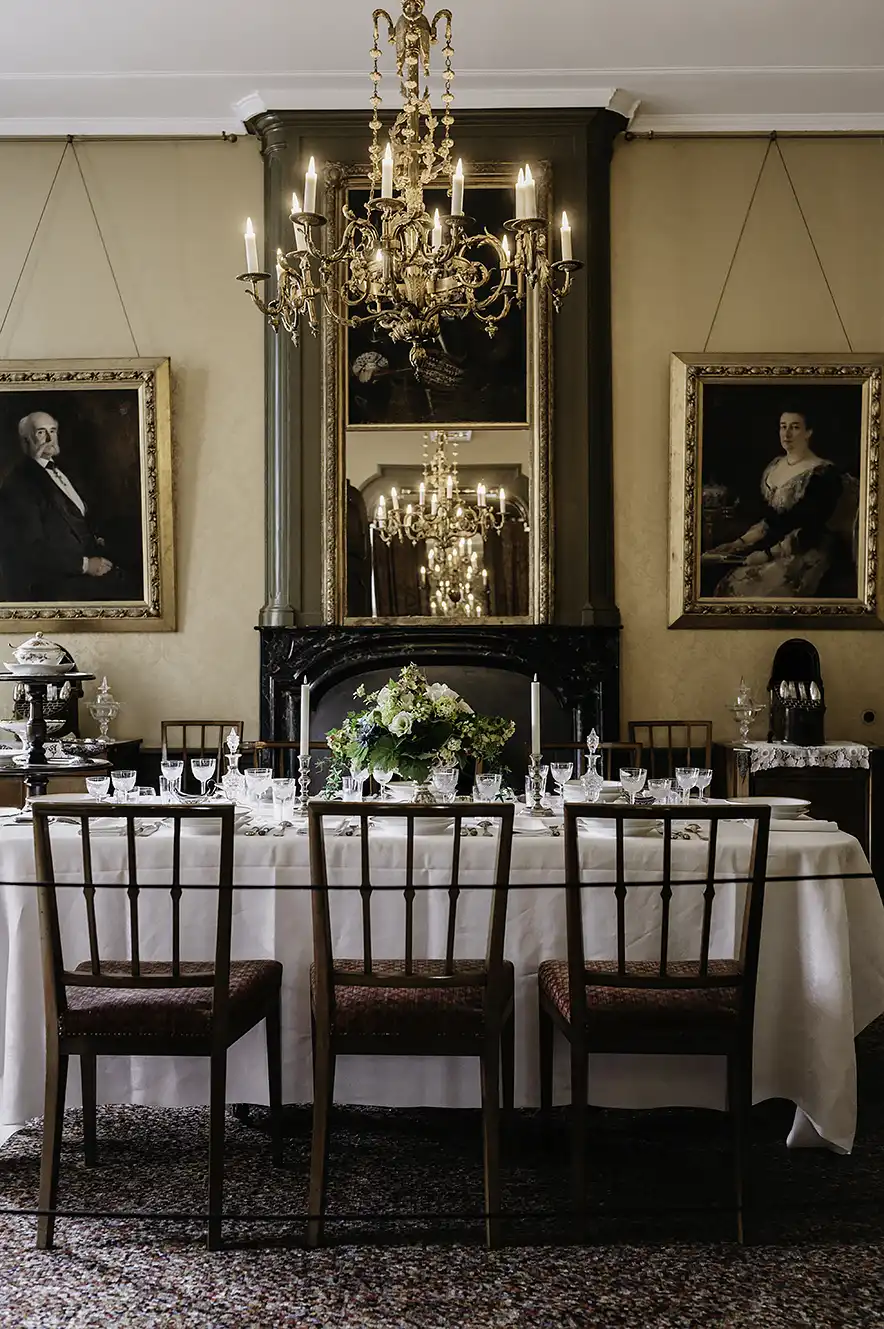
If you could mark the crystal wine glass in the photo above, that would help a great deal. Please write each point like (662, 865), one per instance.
(360, 777)
(98, 786)
(660, 790)
(703, 781)
(633, 779)
(283, 798)
(488, 786)
(444, 782)
(173, 771)
(123, 782)
(686, 777)
(561, 772)
(203, 769)
(383, 778)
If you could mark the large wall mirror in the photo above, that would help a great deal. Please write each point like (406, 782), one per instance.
(471, 436)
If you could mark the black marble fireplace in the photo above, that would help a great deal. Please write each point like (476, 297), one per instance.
(490, 666)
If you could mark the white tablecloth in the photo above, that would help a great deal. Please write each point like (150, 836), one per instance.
(821, 976)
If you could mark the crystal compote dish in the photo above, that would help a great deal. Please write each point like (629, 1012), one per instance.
(104, 709)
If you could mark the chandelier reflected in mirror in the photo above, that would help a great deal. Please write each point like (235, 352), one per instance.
(396, 266)
(453, 529)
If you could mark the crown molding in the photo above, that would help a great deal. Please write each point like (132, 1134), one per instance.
(645, 123)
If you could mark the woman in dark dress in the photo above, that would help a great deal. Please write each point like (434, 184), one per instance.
(800, 537)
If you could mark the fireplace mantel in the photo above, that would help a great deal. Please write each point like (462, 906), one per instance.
(579, 666)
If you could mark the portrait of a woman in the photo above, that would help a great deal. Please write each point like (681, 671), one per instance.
(802, 541)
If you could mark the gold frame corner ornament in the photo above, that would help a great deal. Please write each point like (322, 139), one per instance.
(338, 179)
(689, 375)
(151, 378)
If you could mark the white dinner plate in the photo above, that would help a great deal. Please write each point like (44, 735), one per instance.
(422, 825)
(780, 808)
(526, 825)
(631, 826)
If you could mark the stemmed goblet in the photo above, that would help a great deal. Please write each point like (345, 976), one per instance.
(561, 772)
(686, 777)
(444, 782)
(633, 779)
(203, 769)
(123, 783)
(173, 771)
(703, 781)
(383, 778)
(488, 786)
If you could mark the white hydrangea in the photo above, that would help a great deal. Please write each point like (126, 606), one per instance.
(436, 691)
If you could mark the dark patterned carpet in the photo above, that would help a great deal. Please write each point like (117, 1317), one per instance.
(657, 1250)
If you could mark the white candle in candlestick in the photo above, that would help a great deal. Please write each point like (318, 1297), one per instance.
(387, 173)
(502, 501)
(530, 194)
(305, 718)
(394, 494)
(508, 275)
(457, 183)
(535, 718)
(480, 494)
(436, 241)
(251, 247)
(566, 239)
(310, 187)
(422, 491)
(520, 195)
(434, 503)
(449, 487)
(278, 266)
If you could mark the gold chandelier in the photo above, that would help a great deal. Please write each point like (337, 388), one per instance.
(397, 267)
(446, 521)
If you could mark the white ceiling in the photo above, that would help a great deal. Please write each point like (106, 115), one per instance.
(202, 66)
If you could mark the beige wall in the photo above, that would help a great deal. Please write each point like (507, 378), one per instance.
(677, 211)
(172, 216)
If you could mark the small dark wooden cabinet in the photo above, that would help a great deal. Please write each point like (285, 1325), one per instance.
(853, 797)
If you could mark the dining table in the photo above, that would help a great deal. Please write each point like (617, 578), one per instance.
(820, 975)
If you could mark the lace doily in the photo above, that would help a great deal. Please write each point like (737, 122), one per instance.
(835, 756)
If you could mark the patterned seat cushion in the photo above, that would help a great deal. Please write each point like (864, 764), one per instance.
(409, 1012)
(166, 1012)
(662, 1007)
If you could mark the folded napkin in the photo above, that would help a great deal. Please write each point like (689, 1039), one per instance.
(802, 824)
(117, 826)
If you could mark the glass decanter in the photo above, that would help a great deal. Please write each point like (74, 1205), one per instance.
(744, 709)
(233, 782)
(103, 709)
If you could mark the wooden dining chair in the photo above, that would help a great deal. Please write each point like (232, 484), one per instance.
(670, 743)
(687, 1007)
(197, 738)
(137, 1006)
(411, 1006)
(614, 755)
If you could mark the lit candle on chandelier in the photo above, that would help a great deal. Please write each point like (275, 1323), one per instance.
(395, 497)
(434, 503)
(520, 194)
(423, 576)
(508, 274)
(382, 511)
(422, 491)
(449, 487)
(457, 182)
(251, 247)
(279, 267)
(300, 233)
(387, 173)
(310, 187)
(502, 502)
(436, 240)
(566, 239)
(530, 195)
(480, 495)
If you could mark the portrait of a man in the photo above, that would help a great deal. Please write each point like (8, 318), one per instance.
(79, 513)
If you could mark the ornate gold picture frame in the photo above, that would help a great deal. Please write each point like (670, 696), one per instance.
(773, 509)
(86, 520)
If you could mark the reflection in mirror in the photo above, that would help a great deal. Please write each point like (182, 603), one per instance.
(432, 532)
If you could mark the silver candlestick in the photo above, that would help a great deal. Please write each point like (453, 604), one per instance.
(303, 784)
(536, 808)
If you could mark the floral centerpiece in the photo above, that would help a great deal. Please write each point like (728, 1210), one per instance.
(411, 725)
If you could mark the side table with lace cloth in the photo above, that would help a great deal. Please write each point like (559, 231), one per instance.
(843, 780)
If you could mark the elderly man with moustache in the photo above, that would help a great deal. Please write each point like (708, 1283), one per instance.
(48, 547)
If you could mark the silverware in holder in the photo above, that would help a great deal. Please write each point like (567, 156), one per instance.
(797, 695)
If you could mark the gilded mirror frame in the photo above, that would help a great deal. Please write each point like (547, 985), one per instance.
(339, 179)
